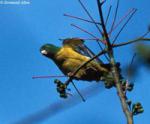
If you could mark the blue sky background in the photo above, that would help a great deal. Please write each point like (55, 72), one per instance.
(24, 28)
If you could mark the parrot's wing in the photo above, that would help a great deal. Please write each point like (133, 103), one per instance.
(90, 53)
(74, 43)
(79, 46)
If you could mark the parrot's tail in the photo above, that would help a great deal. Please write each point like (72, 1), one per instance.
(109, 78)
(108, 66)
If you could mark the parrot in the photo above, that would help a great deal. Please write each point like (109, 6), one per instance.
(71, 55)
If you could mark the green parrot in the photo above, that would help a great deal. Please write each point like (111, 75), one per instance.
(71, 55)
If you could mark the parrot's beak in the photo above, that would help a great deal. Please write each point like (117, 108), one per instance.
(44, 52)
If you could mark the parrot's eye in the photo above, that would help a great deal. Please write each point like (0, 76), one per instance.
(44, 52)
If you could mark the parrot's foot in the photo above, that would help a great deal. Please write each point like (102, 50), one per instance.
(70, 74)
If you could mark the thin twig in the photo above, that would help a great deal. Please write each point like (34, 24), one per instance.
(121, 20)
(132, 41)
(142, 38)
(49, 76)
(145, 34)
(75, 17)
(87, 32)
(124, 26)
(102, 49)
(61, 39)
(90, 16)
(116, 12)
(130, 66)
(83, 99)
(108, 15)
(132, 59)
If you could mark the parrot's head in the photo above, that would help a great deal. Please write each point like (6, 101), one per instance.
(49, 50)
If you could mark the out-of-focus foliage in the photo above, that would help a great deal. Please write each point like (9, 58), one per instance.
(143, 52)
(141, 59)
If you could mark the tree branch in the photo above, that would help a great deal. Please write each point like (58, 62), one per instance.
(131, 41)
(109, 50)
(103, 25)
(114, 70)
